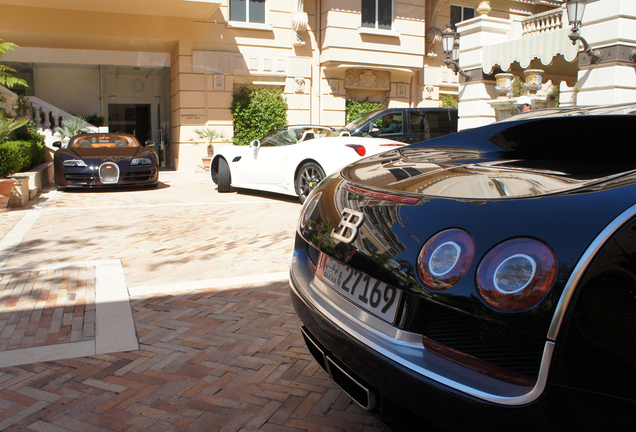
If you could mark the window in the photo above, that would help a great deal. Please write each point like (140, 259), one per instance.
(251, 11)
(377, 14)
(459, 14)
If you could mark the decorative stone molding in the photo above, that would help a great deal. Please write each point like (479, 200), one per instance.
(333, 85)
(367, 79)
(433, 39)
(533, 80)
(401, 90)
(429, 91)
(300, 22)
(504, 84)
(484, 7)
(219, 82)
(299, 85)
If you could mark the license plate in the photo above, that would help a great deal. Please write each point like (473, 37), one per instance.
(366, 292)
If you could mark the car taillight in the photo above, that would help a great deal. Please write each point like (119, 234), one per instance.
(445, 258)
(516, 274)
(358, 148)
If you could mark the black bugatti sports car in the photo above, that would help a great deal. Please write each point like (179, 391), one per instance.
(105, 160)
(482, 278)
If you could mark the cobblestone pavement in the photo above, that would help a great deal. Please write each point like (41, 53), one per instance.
(157, 310)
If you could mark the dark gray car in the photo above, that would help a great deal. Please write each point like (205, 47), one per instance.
(408, 125)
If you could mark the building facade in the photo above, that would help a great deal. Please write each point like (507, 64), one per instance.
(162, 68)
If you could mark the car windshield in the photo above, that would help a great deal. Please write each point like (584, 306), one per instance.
(103, 141)
(355, 125)
(293, 134)
(282, 137)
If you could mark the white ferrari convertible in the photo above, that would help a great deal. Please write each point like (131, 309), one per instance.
(291, 160)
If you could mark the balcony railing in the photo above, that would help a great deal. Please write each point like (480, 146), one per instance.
(542, 22)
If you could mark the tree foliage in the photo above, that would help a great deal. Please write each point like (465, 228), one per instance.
(449, 101)
(256, 112)
(9, 124)
(356, 108)
(6, 79)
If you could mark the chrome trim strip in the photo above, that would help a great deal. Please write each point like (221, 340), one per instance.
(581, 268)
(101, 178)
(406, 348)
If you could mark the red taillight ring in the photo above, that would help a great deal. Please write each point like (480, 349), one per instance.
(517, 274)
(445, 258)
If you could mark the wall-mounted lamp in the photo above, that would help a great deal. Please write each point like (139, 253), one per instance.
(576, 9)
(450, 45)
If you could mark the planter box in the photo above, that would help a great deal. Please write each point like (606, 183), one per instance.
(27, 185)
(20, 191)
(6, 188)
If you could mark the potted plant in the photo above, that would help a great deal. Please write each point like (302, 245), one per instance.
(209, 136)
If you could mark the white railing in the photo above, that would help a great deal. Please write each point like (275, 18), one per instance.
(542, 22)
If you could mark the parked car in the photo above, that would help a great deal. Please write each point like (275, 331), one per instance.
(483, 278)
(105, 160)
(292, 160)
(408, 125)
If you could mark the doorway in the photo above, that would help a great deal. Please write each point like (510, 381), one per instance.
(133, 119)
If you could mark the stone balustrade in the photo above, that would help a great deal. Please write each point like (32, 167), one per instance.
(543, 22)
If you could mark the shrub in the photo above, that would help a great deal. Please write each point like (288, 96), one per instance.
(449, 101)
(518, 88)
(256, 112)
(21, 156)
(9, 159)
(356, 108)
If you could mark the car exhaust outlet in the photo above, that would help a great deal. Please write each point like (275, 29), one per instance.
(350, 385)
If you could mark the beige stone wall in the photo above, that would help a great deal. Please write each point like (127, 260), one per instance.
(210, 57)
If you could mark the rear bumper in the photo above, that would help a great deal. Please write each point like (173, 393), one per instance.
(394, 392)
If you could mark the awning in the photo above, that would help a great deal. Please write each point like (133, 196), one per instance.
(545, 47)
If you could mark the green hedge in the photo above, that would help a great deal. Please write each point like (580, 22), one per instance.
(256, 112)
(10, 162)
(18, 156)
(356, 108)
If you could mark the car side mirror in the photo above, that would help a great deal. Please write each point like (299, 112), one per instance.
(149, 143)
(256, 144)
(57, 144)
(374, 131)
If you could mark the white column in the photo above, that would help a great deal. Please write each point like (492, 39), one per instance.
(475, 95)
(610, 26)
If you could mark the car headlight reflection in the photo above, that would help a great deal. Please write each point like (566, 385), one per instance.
(74, 163)
(141, 161)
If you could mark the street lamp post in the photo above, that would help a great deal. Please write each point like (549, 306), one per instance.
(576, 9)
(450, 45)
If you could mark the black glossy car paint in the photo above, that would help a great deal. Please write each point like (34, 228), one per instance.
(581, 189)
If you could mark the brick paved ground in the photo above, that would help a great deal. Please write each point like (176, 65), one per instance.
(212, 359)
(41, 308)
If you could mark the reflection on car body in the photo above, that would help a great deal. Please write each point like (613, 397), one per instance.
(512, 253)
